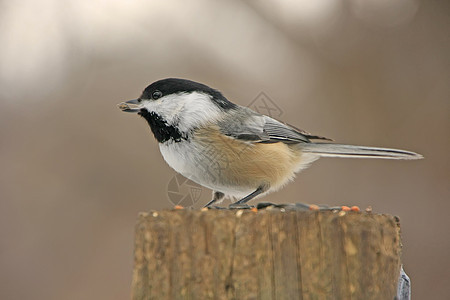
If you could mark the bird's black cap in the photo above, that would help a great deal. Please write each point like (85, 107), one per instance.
(170, 86)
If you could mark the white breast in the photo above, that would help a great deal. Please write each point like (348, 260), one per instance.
(195, 162)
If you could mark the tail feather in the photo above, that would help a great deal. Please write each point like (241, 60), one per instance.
(338, 150)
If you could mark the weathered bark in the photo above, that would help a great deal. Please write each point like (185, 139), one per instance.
(271, 254)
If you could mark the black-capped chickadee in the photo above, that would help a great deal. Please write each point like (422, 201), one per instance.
(232, 149)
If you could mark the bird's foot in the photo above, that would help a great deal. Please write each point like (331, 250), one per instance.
(240, 206)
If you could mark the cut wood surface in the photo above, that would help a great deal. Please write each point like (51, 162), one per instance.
(269, 254)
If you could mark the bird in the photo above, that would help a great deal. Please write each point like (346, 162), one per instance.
(231, 149)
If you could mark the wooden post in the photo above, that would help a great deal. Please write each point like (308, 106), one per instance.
(269, 254)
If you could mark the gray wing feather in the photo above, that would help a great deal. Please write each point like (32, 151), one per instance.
(283, 132)
(250, 126)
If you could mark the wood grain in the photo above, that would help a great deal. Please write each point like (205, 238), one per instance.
(271, 254)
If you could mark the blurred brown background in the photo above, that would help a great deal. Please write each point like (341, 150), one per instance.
(75, 171)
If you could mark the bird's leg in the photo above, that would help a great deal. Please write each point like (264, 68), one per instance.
(217, 196)
(261, 189)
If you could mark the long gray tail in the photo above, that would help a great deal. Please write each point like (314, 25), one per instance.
(338, 150)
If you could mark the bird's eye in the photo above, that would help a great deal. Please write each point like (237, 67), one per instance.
(156, 95)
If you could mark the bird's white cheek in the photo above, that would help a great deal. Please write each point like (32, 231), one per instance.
(150, 105)
(165, 108)
(185, 111)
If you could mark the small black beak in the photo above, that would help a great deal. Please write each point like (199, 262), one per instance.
(125, 106)
(134, 101)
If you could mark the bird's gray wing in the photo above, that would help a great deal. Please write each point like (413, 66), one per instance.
(250, 126)
(281, 132)
(288, 133)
